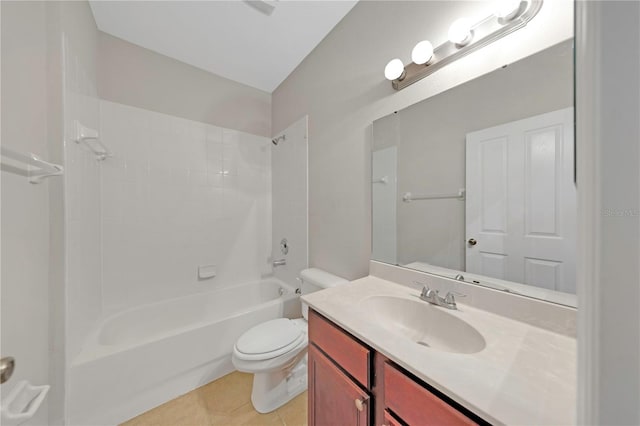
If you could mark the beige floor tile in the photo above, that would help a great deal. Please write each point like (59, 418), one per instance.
(186, 410)
(220, 419)
(294, 413)
(226, 394)
(248, 416)
(224, 402)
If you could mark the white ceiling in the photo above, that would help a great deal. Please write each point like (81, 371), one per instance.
(229, 38)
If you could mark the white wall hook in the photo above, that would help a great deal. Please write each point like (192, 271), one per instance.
(91, 139)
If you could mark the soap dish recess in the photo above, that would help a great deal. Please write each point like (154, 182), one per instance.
(22, 403)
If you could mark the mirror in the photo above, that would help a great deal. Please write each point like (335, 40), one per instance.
(477, 183)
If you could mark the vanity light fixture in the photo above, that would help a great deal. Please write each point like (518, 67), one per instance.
(464, 38)
(508, 9)
(460, 32)
(422, 52)
(394, 70)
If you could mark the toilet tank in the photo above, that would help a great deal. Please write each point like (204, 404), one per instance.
(314, 279)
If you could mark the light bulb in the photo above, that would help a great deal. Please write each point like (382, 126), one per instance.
(460, 32)
(422, 52)
(507, 9)
(394, 69)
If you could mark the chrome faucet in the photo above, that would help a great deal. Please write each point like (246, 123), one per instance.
(433, 297)
(279, 262)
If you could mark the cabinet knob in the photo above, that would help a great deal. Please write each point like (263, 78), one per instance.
(472, 241)
(360, 404)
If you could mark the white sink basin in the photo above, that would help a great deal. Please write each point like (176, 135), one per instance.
(425, 324)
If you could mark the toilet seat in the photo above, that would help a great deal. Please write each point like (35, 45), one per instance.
(269, 340)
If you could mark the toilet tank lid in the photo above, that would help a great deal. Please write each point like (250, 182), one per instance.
(320, 278)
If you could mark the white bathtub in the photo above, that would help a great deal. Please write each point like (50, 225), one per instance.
(140, 358)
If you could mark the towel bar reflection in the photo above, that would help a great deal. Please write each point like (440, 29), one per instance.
(91, 138)
(37, 169)
(408, 197)
(383, 180)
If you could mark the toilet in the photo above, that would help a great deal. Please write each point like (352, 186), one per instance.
(276, 351)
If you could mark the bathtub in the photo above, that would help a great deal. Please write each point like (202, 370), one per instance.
(140, 358)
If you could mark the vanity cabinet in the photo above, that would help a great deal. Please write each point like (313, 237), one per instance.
(339, 376)
(351, 384)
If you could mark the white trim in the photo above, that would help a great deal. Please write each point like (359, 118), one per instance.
(608, 113)
(586, 78)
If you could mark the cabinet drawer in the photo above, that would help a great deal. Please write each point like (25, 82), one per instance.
(390, 420)
(350, 355)
(415, 404)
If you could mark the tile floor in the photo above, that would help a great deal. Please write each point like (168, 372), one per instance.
(226, 401)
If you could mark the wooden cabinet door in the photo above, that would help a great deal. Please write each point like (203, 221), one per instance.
(334, 399)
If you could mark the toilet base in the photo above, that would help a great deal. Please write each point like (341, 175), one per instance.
(271, 390)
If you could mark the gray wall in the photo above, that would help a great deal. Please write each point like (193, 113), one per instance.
(431, 146)
(340, 85)
(25, 210)
(136, 76)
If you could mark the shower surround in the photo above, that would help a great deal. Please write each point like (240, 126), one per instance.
(179, 194)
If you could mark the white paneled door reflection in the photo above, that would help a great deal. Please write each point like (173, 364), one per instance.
(521, 201)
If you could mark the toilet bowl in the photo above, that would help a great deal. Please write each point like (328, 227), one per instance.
(276, 351)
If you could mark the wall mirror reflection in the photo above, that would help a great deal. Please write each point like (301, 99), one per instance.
(477, 183)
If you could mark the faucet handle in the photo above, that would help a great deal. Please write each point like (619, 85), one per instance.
(450, 298)
(425, 291)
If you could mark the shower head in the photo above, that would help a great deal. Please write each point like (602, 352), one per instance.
(277, 140)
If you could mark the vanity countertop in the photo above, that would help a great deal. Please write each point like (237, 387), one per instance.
(524, 376)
